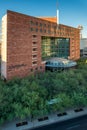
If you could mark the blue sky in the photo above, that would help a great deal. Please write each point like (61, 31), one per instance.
(72, 12)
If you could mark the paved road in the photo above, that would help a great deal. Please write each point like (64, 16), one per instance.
(73, 124)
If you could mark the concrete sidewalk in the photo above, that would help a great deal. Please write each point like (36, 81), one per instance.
(49, 119)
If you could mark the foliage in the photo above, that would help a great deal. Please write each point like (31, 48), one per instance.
(28, 97)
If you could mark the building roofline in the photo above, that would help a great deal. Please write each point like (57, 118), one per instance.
(40, 18)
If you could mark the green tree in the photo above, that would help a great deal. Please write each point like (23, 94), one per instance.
(79, 100)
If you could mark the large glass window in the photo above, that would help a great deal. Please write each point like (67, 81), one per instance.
(55, 47)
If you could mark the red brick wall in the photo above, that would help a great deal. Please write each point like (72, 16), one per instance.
(20, 47)
(24, 40)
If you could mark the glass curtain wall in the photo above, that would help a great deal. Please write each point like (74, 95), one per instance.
(55, 47)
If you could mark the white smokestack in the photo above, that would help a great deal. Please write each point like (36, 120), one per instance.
(57, 16)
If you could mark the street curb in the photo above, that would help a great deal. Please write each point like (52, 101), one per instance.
(49, 119)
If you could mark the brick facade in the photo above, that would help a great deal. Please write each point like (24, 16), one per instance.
(24, 33)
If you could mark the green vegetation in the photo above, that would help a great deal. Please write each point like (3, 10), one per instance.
(29, 97)
(82, 61)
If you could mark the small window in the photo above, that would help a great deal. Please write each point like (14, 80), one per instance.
(31, 22)
(49, 26)
(34, 43)
(34, 36)
(34, 62)
(31, 70)
(36, 29)
(31, 29)
(40, 24)
(34, 56)
(34, 49)
(40, 30)
(36, 23)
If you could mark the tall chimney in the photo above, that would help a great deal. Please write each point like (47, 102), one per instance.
(57, 16)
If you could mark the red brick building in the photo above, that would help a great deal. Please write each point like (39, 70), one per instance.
(23, 37)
